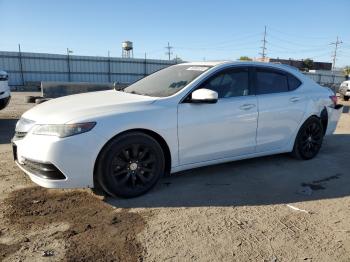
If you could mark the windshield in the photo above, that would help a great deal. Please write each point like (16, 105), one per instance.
(166, 82)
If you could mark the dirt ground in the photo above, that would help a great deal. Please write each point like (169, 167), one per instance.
(266, 209)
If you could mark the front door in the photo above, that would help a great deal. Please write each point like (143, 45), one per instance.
(221, 130)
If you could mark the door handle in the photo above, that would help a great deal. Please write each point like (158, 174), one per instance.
(294, 99)
(246, 106)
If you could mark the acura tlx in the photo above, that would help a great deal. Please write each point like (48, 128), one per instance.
(181, 117)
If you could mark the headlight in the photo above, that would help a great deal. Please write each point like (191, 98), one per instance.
(24, 125)
(63, 130)
(4, 77)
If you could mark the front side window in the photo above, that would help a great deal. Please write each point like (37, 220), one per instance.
(166, 82)
(230, 83)
(271, 81)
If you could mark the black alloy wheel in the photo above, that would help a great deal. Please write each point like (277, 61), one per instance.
(130, 165)
(134, 166)
(309, 139)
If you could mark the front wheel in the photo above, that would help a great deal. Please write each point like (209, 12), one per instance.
(130, 165)
(309, 139)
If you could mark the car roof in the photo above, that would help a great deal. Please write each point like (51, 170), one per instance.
(205, 63)
(227, 62)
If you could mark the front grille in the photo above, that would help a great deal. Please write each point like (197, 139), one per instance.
(20, 135)
(42, 170)
(14, 151)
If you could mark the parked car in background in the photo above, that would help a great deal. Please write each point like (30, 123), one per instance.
(5, 93)
(344, 90)
(181, 117)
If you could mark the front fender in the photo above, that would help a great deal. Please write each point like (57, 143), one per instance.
(162, 122)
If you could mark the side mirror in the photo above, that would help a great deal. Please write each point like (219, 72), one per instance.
(204, 95)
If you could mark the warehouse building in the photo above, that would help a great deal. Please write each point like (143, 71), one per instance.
(298, 63)
(32, 68)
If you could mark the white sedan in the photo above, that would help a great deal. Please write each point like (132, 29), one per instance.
(5, 94)
(185, 116)
(344, 90)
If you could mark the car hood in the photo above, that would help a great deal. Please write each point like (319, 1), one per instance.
(76, 107)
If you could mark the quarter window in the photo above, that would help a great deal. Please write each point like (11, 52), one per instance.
(293, 82)
(269, 81)
(230, 83)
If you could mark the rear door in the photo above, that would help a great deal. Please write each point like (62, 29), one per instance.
(281, 107)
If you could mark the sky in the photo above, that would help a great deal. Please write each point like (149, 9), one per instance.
(197, 30)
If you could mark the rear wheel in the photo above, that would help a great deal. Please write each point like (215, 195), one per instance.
(309, 139)
(41, 100)
(31, 99)
(346, 98)
(130, 165)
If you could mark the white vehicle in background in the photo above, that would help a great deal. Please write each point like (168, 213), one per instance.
(5, 94)
(344, 90)
(184, 116)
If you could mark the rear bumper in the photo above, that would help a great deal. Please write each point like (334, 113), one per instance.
(333, 118)
(4, 102)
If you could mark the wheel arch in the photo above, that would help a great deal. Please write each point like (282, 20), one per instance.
(163, 144)
(324, 119)
(294, 148)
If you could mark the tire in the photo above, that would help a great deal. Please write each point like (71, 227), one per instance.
(31, 99)
(130, 165)
(40, 100)
(309, 139)
(4, 102)
(346, 98)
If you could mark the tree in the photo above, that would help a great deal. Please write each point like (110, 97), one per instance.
(347, 70)
(245, 58)
(308, 63)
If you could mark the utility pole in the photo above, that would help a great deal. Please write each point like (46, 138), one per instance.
(68, 63)
(20, 63)
(336, 43)
(169, 53)
(263, 48)
(109, 67)
(145, 66)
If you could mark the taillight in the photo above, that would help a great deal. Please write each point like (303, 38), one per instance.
(334, 99)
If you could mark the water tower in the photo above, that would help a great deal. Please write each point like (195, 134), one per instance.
(127, 49)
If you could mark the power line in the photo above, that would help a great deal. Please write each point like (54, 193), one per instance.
(296, 35)
(336, 43)
(168, 53)
(293, 43)
(263, 48)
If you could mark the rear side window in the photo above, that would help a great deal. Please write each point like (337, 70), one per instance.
(293, 82)
(271, 81)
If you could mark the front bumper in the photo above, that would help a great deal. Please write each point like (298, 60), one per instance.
(41, 170)
(54, 162)
(4, 102)
(344, 92)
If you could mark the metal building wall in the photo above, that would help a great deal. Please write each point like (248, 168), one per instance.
(35, 67)
(331, 80)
